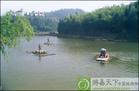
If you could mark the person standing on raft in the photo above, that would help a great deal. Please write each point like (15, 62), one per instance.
(48, 42)
(39, 48)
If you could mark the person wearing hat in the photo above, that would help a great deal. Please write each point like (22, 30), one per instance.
(103, 53)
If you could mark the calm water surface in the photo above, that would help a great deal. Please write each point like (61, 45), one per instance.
(74, 59)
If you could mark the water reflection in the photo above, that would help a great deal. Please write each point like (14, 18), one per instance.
(73, 58)
(40, 56)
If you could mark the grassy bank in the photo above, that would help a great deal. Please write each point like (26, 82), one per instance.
(46, 33)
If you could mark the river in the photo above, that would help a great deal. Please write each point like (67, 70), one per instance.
(74, 59)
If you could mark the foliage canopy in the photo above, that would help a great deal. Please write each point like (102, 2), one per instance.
(14, 26)
(115, 22)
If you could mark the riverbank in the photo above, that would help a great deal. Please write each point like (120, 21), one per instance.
(99, 38)
(46, 33)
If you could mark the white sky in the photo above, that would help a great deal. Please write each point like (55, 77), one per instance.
(55, 5)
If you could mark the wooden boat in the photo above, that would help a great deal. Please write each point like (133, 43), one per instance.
(103, 59)
(40, 52)
(47, 43)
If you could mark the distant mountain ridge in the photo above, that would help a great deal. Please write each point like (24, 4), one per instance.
(48, 21)
(64, 12)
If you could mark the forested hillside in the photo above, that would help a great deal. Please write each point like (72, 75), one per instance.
(48, 21)
(115, 22)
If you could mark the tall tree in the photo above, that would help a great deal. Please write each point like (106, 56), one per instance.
(14, 26)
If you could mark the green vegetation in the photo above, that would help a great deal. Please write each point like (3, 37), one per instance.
(48, 21)
(14, 26)
(116, 22)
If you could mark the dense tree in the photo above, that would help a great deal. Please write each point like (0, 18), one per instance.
(13, 26)
(115, 22)
(43, 24)
(48, 21)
